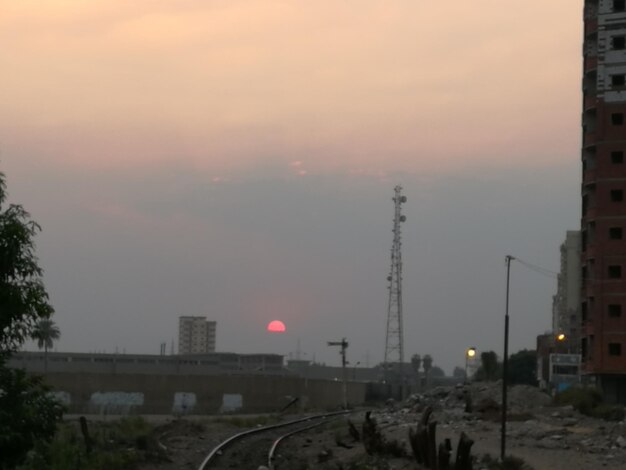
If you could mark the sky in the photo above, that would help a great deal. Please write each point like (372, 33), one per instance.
(237, 159)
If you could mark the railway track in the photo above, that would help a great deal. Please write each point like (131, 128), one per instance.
(255, 447)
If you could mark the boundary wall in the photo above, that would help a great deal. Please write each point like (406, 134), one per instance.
(98, 393)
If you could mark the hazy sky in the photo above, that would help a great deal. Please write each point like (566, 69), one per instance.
(237, 159)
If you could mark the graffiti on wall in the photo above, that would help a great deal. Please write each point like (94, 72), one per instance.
(184, 403)
(115, 402)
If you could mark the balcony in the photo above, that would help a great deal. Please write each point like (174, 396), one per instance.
(591, 213)
(591, 63)
(590, 102)
(591, 26)
(591, 11)
(590, 138)
(589, 177)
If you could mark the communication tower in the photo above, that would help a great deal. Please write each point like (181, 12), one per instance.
(394, 342)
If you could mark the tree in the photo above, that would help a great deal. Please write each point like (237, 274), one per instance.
(458, 373)
(23, 297)
(427, 362)
(416, 362)
(436, 371)
(490, 369)
(27, 413)
(522, 367)
(46, 332)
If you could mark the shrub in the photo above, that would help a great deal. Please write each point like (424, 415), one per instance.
(582, 399)
(588, 401)
(117, 445)
(608, 412)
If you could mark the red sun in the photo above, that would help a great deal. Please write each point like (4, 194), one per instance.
(276, 326)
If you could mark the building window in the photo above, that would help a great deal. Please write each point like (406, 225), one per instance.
(617, 195)
(615, 233)
(583, 312)
(618, 80)
(619, 5)
(615, 310)
(564, 369)
(618, 42)
(615, 349)
(617, 119)
(615, 272)
(617, 157)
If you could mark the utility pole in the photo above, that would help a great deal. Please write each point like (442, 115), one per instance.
(344, 345)
(505, 360)
(394, 341)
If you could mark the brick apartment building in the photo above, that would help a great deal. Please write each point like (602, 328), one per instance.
(603, 224)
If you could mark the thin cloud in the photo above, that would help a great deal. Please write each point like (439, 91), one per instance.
(408, 85)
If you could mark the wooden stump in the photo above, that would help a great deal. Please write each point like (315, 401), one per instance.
(423, 441)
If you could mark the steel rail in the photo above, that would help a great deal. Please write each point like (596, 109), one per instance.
(217, 450)
(277, 442)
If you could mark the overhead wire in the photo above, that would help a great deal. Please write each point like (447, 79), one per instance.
(539, 269)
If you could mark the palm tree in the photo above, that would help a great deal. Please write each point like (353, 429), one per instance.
(46, 332)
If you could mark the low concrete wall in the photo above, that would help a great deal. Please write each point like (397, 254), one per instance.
(165, 394)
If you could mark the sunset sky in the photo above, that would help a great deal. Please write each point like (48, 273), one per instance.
(237, 159)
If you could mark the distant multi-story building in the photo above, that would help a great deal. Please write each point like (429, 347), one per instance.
(196, 335)
(603, 224)
(566, 302)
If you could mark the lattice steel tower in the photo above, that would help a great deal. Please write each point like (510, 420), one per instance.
(394, 342)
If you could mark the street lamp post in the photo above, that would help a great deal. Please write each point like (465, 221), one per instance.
(469, 353)
(505, 359)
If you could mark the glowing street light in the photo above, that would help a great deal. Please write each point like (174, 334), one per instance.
(560, 337)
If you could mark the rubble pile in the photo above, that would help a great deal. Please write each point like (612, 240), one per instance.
(521, 398)
(534, 423)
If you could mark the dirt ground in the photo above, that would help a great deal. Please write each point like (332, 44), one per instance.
(544, 436)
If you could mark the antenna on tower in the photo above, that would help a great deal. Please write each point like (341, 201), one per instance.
(394, 342)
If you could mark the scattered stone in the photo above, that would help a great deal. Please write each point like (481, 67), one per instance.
(324, 456)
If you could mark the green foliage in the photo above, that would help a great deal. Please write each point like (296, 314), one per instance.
(490, 369)
(23, 298)
(46, 332)
(27, 415)
(427, 363)
(458, 373)
(522, 367)
(585, 400)
(609, 412)
(117, 445)
(436, 371)
(588, 401)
